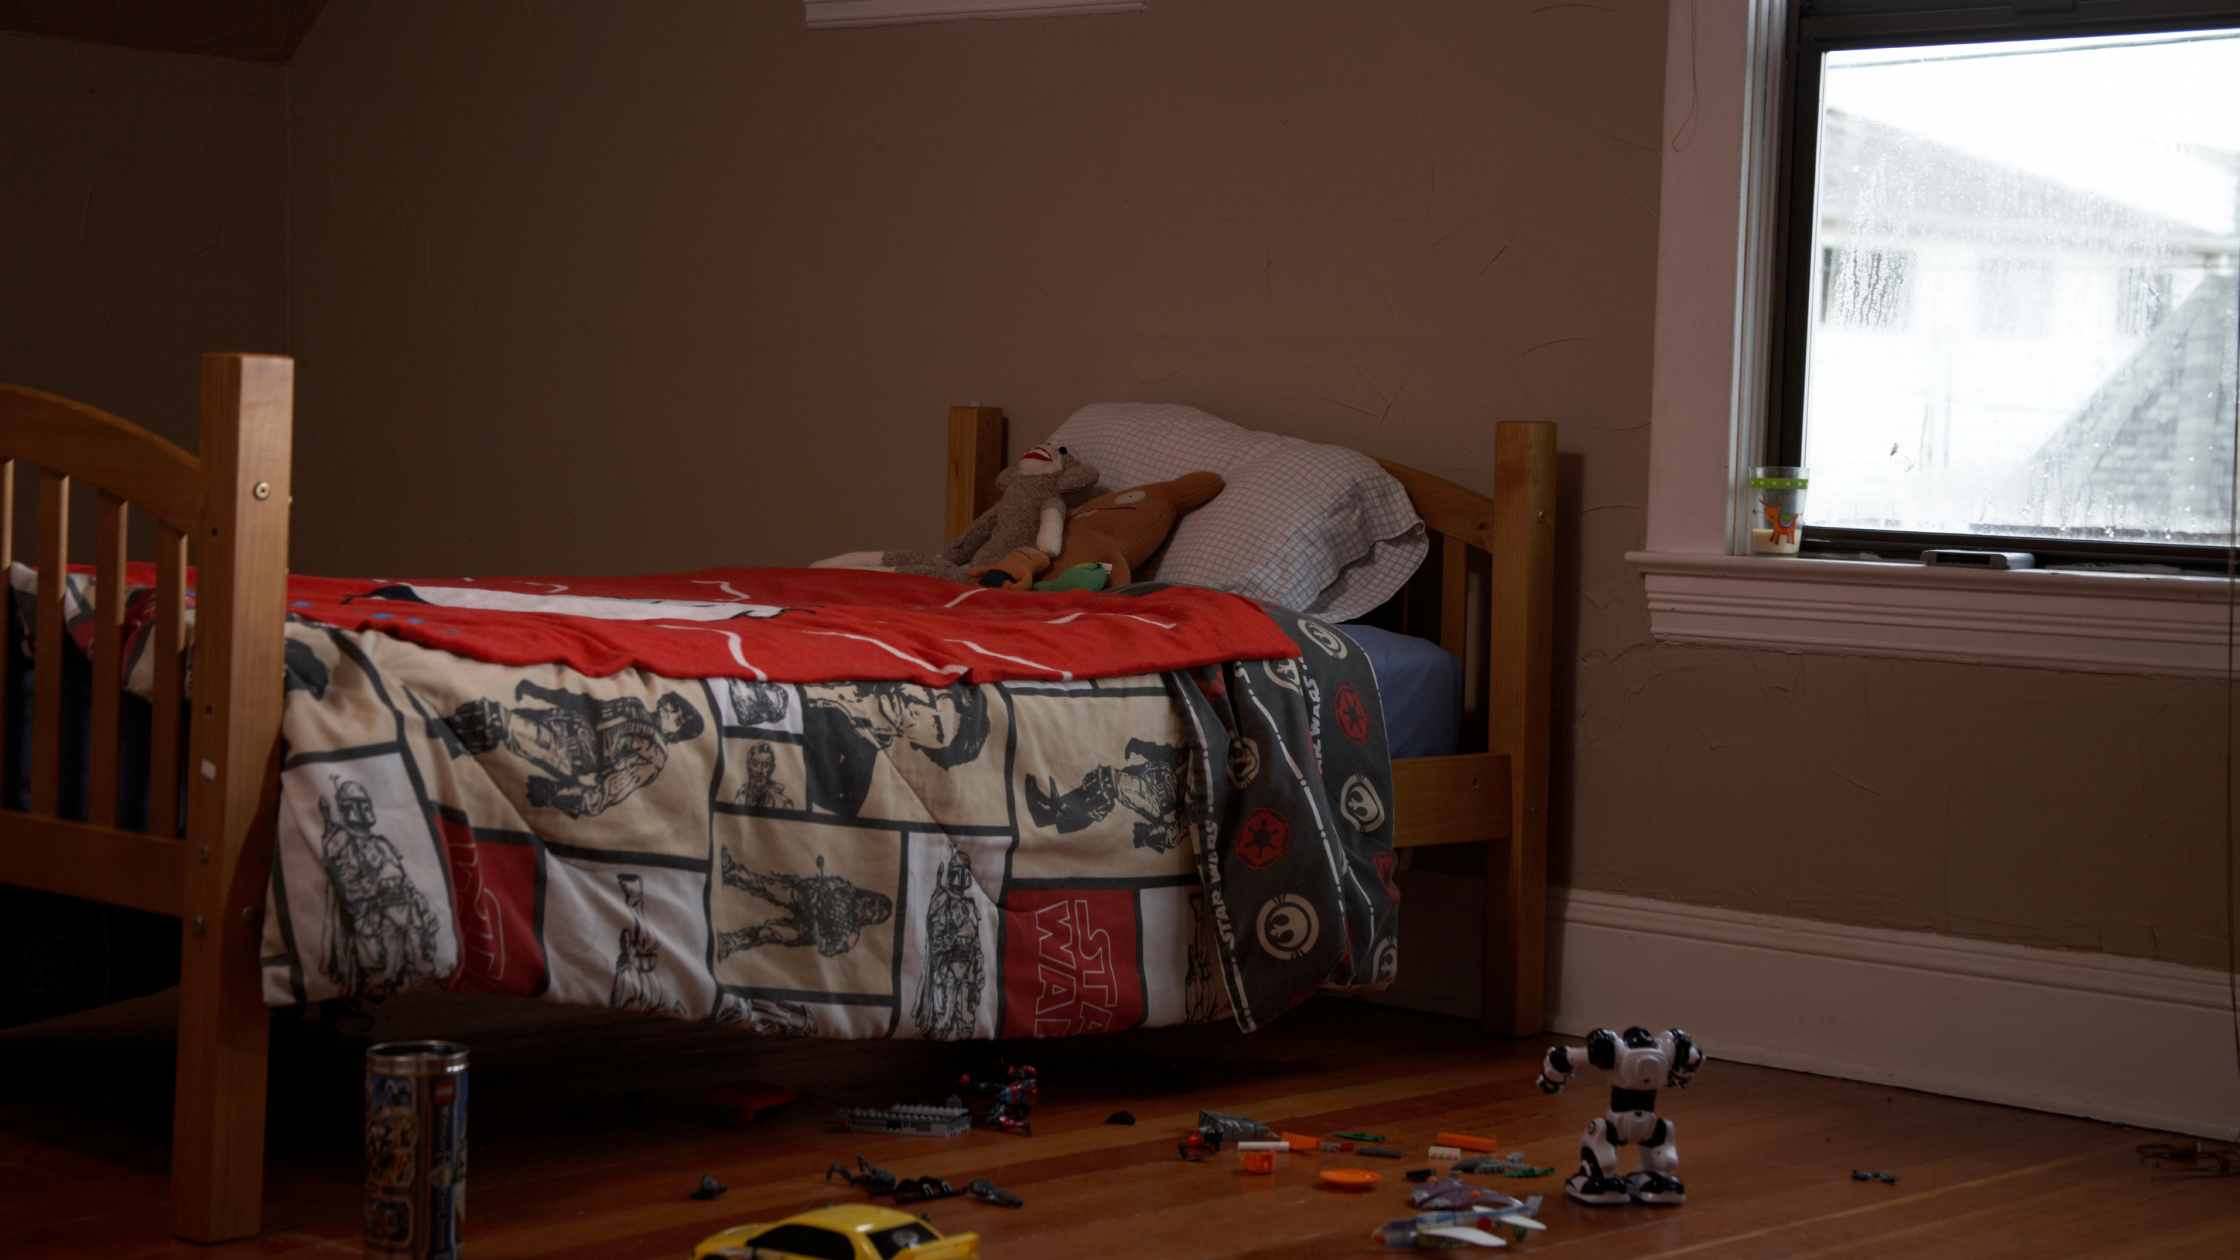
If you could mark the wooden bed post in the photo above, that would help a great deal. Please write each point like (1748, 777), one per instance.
(217, 1145)
(1523, 582)
(976, 440)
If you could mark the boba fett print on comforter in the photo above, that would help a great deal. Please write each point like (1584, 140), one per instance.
(839, 859)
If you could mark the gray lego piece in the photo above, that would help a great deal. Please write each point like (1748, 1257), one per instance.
(915, 1121)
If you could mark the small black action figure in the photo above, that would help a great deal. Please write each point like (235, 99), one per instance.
(873, 1180)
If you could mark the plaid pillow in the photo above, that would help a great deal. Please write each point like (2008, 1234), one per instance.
(1318, 529)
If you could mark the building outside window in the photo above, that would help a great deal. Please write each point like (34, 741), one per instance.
(2012, 306)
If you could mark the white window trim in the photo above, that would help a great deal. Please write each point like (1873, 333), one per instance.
(830, 13)
(1708, 414)
(2125, 623)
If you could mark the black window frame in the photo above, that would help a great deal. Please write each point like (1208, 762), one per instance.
(1817, 27)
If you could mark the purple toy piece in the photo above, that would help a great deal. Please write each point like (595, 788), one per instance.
(1448, 1194)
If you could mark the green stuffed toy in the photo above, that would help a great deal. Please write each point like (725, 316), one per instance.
(1087, 576)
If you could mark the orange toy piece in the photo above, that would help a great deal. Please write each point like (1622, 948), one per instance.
(1302, 1144)
(1122, 529)
(1259, 1161)
(1466, 1142)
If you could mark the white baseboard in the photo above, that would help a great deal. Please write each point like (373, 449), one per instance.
(2120, 1039)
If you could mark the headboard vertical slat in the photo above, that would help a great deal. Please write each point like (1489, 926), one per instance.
(1454, 591)
(168, 641)
(108, 658)
(46, 685)
(976, 439)
(7, 565)
(7, 512)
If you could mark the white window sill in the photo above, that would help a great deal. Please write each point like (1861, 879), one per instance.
(829, 13)
(2121, 623)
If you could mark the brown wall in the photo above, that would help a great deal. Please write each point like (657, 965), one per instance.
(587, 286)
(593, 287)
(142, 222)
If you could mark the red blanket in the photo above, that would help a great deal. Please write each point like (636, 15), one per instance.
(793, 625)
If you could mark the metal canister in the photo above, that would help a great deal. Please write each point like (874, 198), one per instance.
(416, 1150)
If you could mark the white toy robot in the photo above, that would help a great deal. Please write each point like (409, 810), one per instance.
(1639, 1063)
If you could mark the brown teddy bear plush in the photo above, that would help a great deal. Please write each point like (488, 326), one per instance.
(1028, 518)
(1118, 531)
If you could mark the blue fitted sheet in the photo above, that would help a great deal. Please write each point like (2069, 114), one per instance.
(1420, 685)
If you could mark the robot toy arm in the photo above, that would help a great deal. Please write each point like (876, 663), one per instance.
(1557, 1069)
(1686, 1056)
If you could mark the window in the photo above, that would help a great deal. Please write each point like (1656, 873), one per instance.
(2011, 311)
(901, 1238)
(2142, 299)
(806, 1240)
(2014, 296)
(1865, 288)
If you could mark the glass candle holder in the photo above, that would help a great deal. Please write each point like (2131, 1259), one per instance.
(1777, 509)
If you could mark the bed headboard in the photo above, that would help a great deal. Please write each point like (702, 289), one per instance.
(1486, 593)
(1483, 593)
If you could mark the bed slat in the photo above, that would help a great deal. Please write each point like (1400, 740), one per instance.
(7, 559)
(1454, 596)
(46, 684)
(108, 658)
(169, 637)
(975, 457)
(1454, 800)
(76, 859)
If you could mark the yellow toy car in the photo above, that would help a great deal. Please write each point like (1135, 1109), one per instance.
(856, 1231)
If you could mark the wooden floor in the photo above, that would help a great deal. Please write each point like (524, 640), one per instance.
(586, 1137)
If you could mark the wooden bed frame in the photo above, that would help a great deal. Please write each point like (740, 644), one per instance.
(232, 502)
(1500, 625)
(211, 868)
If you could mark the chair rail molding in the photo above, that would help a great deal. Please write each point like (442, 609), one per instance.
(2169, 625)
(831, 13)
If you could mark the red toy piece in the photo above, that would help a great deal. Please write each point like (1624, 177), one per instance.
(749, 1101)
(1202, 1144)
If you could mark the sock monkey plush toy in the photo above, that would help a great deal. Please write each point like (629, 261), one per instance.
(1028, 518)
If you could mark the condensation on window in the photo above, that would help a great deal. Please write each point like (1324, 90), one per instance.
(2026, 320)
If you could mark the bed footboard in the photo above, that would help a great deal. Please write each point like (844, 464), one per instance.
(231, 505)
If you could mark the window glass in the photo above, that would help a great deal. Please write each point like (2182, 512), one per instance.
(2025, 320)
(890, 1241)
(806, 1240)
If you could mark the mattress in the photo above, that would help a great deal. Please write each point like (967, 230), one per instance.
(1419, 685)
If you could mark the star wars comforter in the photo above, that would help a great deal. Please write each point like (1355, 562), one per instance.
(1018, 847)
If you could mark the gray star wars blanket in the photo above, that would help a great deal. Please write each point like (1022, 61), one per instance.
(846, 859)
(1294, 819)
